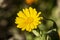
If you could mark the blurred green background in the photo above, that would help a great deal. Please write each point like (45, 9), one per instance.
(50, 10)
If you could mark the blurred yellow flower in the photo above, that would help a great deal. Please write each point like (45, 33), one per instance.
(30, 1)
(28, 19)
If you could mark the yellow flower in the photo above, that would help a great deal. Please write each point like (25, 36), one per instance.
(28, 19)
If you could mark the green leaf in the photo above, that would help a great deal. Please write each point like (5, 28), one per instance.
(49, 24)
(42, 27)
(35, 33)
(29, 36)
(37, 38)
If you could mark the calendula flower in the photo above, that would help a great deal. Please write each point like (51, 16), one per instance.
(30, 1)
(28, 19)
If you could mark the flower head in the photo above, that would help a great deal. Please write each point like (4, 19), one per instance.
(28, 19)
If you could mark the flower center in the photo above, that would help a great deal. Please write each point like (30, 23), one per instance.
(29, 20)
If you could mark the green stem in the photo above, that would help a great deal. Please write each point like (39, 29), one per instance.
(43, 35)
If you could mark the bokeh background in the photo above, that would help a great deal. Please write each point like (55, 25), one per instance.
(50, 10)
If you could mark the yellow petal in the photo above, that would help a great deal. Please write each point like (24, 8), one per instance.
(26, 12)
(23, 29)
(18, 20)
(38, 14)
(21, 14)
(31, 11)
